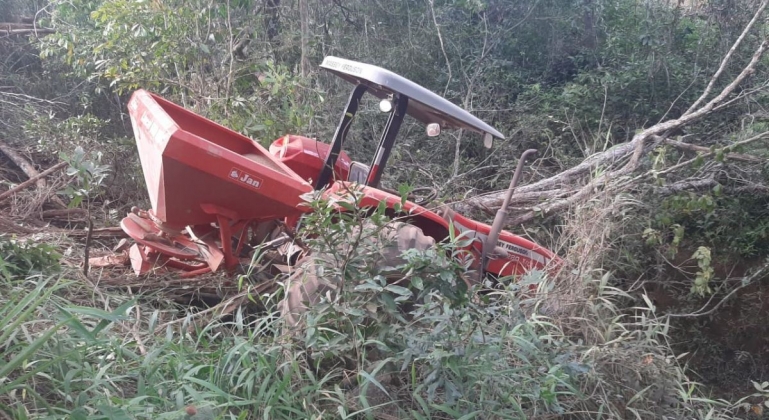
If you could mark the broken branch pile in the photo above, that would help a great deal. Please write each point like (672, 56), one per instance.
(616, 165)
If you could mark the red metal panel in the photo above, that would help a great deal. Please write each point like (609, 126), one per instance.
(189, 160)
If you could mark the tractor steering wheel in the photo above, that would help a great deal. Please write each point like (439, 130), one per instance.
(422, 195)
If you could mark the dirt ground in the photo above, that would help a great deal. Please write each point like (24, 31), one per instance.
(728, 348)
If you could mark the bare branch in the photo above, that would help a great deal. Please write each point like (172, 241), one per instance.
(686, 185)
(726, 58)
(36, 32)
(757, 137)
(693, 148)
(443, 48)
(22, 163)
(32, 180)
(746, 281)
(634, 149)
(466, 103)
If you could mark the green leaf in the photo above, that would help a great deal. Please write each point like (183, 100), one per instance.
(372, 380)
(113, 413)
(400, 290)
(79, 413)
(469, 416)
(354, 312)
(29, 350)
(367, 287)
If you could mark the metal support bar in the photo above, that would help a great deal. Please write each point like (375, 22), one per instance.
(387, 141)
(339, 136)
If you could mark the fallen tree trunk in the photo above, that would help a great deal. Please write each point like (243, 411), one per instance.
(572, 186)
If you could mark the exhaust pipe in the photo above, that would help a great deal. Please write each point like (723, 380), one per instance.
(499, 219)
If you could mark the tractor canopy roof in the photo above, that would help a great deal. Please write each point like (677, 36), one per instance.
(423, 105)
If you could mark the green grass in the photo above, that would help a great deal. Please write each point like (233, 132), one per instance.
(68, 361)
(70, 351)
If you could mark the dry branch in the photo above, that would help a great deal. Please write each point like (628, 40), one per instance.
(707, 183)
(29, 170)
(760, 274)
(13, 28)
(32, 180)
(676, 167)
(109, 232)
(686, 185)
(42, 31)
(694, 148)
(14, 25)
(8, 226)
(726, 58)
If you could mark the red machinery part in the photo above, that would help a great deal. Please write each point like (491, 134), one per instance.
(213, 180)
(306, 157)
(189, 160)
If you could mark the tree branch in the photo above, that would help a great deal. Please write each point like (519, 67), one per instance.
(443, 48)
(27, 31)
(746, 281)
(757, 137)
(635, 148)
(686, 185)
(726, 58)
(32, 180)
(693, 148)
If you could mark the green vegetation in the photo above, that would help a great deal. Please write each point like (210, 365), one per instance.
(654, 316)
(358, 355)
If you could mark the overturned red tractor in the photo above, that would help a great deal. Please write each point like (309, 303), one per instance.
(216, 193)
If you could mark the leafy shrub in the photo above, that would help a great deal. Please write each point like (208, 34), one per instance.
(121, 46)
(19, 258)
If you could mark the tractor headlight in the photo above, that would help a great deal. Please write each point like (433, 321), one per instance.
(385, 105)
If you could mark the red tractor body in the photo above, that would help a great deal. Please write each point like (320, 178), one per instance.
(212, 190)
